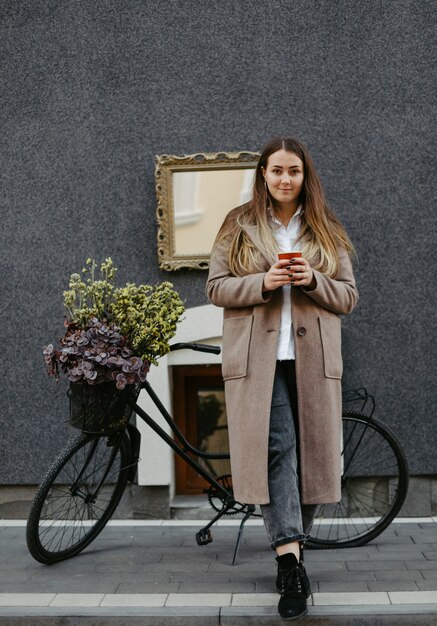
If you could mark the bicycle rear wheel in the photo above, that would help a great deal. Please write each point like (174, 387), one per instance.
(77, 496)
(374, 486)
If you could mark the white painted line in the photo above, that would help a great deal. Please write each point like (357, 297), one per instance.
(237, 522)
(77, 599)
(356, 521)
(255, 599)
(134, 599)
(348, 599)
(199, 599)
(363, 599)
(224, 522)
(413, 597)
(414, 520)
(26, 599)
(185, 522)
(133, 522)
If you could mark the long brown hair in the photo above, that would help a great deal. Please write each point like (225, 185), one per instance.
(321, 231)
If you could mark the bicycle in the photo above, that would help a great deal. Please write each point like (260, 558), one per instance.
(85, 483)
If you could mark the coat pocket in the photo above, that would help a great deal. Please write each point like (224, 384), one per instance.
(330, 333)
(236, 340)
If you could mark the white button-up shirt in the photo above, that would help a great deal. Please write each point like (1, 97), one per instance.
(286, 239)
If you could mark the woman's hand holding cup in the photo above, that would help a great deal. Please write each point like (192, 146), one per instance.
(278, 275)
(290, 269)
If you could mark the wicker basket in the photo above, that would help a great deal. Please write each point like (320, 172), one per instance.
(100, 408)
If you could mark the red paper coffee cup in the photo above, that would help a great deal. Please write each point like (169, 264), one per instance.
(289, 255)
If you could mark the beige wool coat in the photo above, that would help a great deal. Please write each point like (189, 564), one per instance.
(250, 337)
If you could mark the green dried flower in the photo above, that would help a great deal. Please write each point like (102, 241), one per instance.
(145, 315)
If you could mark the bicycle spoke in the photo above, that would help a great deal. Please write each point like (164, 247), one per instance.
(373, 486)
(371, 509)
(79, 497)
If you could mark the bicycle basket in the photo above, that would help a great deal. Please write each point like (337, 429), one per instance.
(100, 408)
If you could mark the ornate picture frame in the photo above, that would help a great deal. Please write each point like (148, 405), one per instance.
(194, 193)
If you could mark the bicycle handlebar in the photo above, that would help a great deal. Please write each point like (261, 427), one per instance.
(200, 347)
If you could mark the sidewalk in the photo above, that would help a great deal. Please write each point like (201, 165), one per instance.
(153, 573)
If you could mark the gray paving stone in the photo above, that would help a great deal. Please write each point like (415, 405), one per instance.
(403, 539)
(132, 562)
(342, 576)
(264, 586)
(255, 566)
(375, 565)
(136, 558)
(429, 574)
(420, 537)
(49, 576)
(212, 577)
(130, 578)
(427, 585)
(133, 568)
(400, 575)
(17, 576)
(360, 554)
(386, 548)
(407, 529)
(80, 564)
(334, 566)
(393, 585)
(248, 576)
(400, 554)
(422, 564)
(59, 586)
(145, 577)
(344, 586)
(25, 562)
(226, 587)
(138, 586)
(165, 541)
(155, 567)
(17, 537)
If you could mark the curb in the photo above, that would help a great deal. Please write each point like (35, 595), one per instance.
(363, 615)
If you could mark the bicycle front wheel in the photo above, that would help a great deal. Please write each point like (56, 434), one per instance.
(77, 496)
(374, 486)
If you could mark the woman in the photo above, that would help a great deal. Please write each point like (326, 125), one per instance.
(282, 361)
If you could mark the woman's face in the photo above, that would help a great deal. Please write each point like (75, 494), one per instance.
(284, 176)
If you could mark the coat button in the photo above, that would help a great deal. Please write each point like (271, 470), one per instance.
(301, 331)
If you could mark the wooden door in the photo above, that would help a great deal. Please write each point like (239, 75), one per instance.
(200, 412)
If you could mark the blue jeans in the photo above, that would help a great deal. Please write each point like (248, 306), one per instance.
(285, 519)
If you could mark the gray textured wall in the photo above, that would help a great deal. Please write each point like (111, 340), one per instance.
(91, 91)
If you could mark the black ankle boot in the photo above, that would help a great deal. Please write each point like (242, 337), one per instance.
(294, 587)
(284, 561)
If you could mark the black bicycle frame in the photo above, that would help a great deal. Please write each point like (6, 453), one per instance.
(184, 447)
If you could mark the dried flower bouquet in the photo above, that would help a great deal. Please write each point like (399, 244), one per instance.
(113, 334)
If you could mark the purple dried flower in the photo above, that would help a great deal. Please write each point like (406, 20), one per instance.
(136, 363)
(121, 381)
(96, 354)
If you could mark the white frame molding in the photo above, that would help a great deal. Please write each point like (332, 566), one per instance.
(201, 324)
